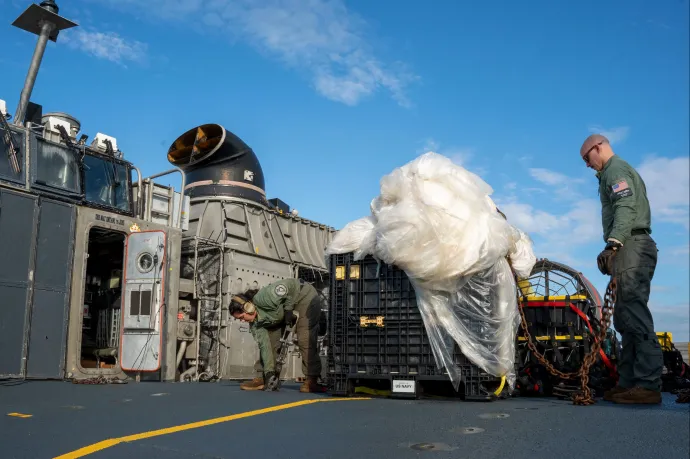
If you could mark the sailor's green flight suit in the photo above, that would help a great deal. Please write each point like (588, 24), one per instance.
(271, 303)
(626, 217)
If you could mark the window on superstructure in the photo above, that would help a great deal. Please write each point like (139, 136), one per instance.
(57, 166)
(106, 182)
(8, 164)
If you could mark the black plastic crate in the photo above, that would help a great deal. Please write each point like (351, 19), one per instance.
(566, 355)
(475, 385)
(376, 332)
(555, 317)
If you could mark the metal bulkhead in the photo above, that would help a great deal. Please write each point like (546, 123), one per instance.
(144, 341)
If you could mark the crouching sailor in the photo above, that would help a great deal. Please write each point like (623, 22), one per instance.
(268, 311)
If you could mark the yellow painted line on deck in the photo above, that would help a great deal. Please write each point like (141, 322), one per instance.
(101, 445)
(19, 415)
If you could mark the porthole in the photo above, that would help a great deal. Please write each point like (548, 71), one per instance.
(145, 262)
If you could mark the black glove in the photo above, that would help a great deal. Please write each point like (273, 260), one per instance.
(605, 259)
(289, 317)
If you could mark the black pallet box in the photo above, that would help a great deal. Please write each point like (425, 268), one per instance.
(559, 326)
(377, 335)
(558, 329)
(557, 316)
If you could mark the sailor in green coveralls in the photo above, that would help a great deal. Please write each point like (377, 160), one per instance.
(631, 251)
(268, 311)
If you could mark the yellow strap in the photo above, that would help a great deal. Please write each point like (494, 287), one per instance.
(500, 388)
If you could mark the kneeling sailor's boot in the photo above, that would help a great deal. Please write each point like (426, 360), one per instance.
(311, 385)
(255, 384)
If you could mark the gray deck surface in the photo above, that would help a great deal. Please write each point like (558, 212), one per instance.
(66, 417)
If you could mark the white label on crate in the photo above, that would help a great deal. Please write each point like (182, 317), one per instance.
(406, 386)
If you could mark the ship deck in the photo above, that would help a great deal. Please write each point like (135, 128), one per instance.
(55, 419)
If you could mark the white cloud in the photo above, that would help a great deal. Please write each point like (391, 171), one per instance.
(562, 237)
(549, 177)
(546, 176)
(678, 310)
(559, 184)
(321, 37)
(668, 188)
(572, 233)
(460, 156)
(657, 23)
(672, 254)
(615, 135)
(681, 250)
(581, 224)
(106, 45)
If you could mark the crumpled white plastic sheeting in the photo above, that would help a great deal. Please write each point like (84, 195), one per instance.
(436, 221)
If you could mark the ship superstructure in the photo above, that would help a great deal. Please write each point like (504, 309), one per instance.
(108, 274)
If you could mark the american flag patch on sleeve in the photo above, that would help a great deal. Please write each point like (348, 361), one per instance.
(621, 189)
(620, 186)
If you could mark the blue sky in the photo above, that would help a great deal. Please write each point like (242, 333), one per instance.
(332, 95)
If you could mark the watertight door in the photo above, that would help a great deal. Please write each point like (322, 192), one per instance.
(143, 301)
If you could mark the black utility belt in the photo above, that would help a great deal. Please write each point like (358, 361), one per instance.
(637, 232)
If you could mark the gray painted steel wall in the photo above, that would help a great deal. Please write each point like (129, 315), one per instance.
(261, 232)
(261, 246)
(36, 252)
(87, 218)
(50, 305)
(17, 215)
(41, 300)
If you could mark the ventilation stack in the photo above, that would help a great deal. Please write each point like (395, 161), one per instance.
(218, 163)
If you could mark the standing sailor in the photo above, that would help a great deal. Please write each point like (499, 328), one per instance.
(630, 254)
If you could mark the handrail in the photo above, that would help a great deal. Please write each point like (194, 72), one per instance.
(184, 182)
(140, 192)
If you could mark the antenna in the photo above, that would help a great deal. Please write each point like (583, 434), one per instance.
(43, 21)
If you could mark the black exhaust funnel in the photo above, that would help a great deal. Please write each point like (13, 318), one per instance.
(218, 163)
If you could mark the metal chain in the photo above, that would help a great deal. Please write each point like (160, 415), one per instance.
(584, 397)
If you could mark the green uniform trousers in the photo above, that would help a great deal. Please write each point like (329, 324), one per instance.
(641, 361)
(307, 330)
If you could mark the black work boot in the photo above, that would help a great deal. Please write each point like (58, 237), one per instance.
(255, 384)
